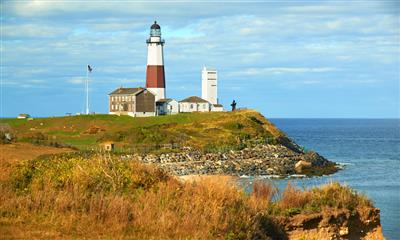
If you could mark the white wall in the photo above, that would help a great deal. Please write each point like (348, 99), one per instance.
(158, 92)
(173, 107)
(194, 107)
(155, 56)
(217, 109)
(142, 114)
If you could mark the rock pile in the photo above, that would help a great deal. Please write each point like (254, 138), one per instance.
(258, 160)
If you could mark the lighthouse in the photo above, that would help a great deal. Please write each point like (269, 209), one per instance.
(155, 75)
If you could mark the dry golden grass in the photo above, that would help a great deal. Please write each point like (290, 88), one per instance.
(332, 195)
(104, 197)
(294, 198)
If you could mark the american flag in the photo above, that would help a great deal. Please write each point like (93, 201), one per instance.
(89, 68)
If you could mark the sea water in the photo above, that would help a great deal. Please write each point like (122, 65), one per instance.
(369, 150)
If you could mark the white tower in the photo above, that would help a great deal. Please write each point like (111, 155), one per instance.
(209, 85)
(155, 76)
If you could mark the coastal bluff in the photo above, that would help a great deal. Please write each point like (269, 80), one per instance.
(231, 143)
(120, 193)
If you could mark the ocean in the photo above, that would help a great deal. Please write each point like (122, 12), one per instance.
(369, 149)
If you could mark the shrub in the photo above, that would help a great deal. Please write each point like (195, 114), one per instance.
(38, 138)
(256, 120)
(98, 173)
(333, 195)
(337, 196)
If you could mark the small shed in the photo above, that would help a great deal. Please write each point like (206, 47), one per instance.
(108, 146)
(167, 106)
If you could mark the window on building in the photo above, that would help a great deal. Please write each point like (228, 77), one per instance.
(191, 106)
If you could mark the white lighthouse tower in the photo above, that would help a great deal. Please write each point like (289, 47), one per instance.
(209, 85)
(155, 75)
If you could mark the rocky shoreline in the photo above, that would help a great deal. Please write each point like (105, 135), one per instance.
(263, 159)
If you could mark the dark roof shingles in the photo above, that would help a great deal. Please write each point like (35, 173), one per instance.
(126, 90)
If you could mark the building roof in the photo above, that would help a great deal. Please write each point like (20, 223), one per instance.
(194, 99)
(165, 100)
(155, 25)
(126, 90)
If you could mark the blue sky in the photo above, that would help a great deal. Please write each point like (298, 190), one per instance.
(284, 58)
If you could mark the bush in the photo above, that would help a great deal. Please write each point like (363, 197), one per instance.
(333, 195)
(96, 174)
(37, 138)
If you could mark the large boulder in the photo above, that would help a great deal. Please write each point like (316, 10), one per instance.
(301, 165)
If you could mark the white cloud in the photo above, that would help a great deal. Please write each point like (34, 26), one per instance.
(32, 31)
(311, 81)
(22, 83)
(279, 70)
(77, 80)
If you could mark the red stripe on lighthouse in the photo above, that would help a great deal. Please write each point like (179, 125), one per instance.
(155, 77)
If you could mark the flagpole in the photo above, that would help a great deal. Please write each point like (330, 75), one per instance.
(87, 89)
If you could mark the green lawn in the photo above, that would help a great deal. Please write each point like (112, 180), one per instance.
(193, 129)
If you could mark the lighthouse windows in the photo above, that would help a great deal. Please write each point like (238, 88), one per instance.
(155, 32)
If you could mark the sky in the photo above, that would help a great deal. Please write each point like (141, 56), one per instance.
(286, 59)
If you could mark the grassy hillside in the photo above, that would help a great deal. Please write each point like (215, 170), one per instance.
(207, 131)
(104, 197)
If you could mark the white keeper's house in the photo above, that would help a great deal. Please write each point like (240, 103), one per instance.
(194, 104)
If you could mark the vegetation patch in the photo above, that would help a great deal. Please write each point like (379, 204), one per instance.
(203, 131)
(86, 195)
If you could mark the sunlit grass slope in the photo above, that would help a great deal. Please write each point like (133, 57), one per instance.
(207, 131)
(101, 196)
